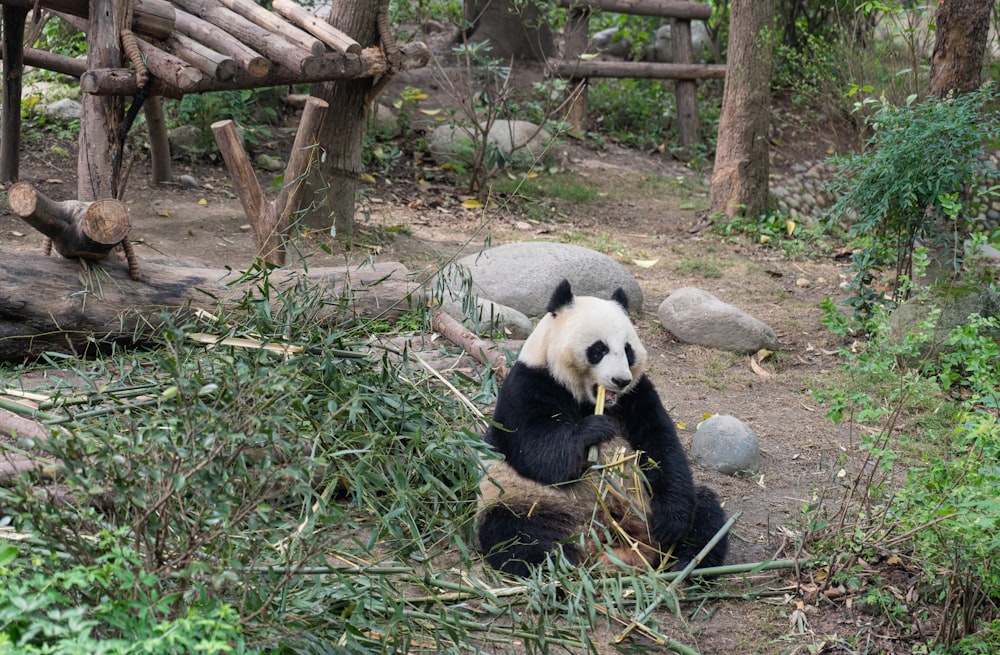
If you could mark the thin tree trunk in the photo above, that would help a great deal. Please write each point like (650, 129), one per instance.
(334, 184)
(739, 180)
(959, 45)
(13, 70)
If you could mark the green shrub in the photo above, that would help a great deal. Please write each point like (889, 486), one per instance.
(927, 487)
(906, 188)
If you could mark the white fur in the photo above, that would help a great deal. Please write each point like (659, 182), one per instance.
(559, 343)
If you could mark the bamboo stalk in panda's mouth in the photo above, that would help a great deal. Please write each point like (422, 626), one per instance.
(598, 409)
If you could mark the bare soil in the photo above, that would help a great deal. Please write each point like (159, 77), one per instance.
(648, 207)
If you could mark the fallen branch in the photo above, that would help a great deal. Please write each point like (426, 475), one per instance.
(459, 335)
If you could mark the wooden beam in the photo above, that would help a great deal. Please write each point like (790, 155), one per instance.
(658, 8)
(214, 64)
(640, 69)
(273, 46)
(246, 58)
(152, 18)
(334, 66)
(272, 23)
(321, 29)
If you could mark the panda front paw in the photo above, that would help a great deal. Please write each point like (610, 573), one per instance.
(596, 429)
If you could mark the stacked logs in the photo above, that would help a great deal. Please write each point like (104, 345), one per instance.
(196, 46)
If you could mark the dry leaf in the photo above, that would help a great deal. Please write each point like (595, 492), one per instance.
(367, 178)
(203, 202)
(758, 369)
(472, 203)
(790, 226)
(645, 263)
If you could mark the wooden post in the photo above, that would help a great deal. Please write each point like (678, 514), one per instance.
(159, 144)
(13, 69)
(271, 220)
(576, 44)
(686, 91)
(101, 115)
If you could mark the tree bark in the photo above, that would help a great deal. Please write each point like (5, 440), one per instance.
(739, 179)
(78, 229)
(334, 184)
(101, 116)
(514, 30)
(959, 45)
(13, 71)
(61, 305)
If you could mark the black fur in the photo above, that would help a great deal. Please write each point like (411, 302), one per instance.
(562, 296)
(544, 434)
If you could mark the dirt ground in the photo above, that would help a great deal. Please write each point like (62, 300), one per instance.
(648, 207)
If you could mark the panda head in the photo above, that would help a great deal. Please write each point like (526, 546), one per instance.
(584, 342)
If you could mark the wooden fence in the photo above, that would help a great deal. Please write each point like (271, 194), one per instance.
(683, 69)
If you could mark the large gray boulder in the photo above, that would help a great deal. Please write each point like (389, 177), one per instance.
(523, 275)
(696, 316)
(510, 136)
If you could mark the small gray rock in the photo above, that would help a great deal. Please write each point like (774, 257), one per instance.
(726, 444)
(506, 135)
(698, 317)
(488, 316)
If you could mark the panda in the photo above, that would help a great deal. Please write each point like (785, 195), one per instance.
(638, 501)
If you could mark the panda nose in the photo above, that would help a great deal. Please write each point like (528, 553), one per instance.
(621, 383)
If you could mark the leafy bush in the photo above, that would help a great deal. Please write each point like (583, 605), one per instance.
(906, 188)
(929, 488)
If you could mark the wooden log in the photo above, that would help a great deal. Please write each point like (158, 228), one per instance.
(47, 305)
(269, 21)
(319, 28)
(640, 69)
(159, 144)
(152, 18)
(247, 59)
(469, 341)
(268, 245)
(171, 70)
(214, 64)
(13, 71)
(273, 46)
(87, 230)
(333, 66)
(305, 151)
(51, 62)
(658, 8)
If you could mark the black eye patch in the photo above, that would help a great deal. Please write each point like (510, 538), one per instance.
(596, 352)
(629, 354)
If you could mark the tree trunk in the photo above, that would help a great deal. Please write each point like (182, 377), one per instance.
(62, 305)
(13, 70)
(514, 30)
(739, 180)
(334, 183)
(959, 45)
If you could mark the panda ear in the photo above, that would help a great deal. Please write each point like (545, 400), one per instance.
(561, 297)
(619, 297)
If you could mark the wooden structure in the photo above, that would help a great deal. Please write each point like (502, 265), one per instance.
(683, 69)
(145, 49)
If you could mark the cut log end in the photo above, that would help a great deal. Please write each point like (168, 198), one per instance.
(107, 222)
